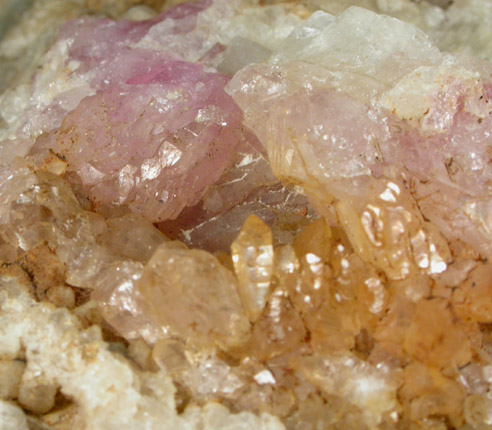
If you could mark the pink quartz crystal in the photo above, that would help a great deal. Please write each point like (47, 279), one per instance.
(153, 133)
(246, 186)
(144, 127)
(154, 144)
(93, 54)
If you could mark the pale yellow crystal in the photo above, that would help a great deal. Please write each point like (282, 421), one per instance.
(131, 236)
(279, 328)
(50, 162)
(372, 389)
(189, 294)
(426, 392)
(387, 230)
(10, 377)
(252, 255)
(435, 337)
(325, 287)
(314, 239)
(477, 410)
(287, 266)
(170, 355)
(472, 299)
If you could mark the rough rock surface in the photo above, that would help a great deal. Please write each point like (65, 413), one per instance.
(110, 392)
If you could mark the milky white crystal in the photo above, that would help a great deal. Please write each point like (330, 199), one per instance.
(12, 417)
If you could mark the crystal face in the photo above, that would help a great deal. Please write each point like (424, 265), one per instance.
(242, 215)
(149, 128)
(252, 255)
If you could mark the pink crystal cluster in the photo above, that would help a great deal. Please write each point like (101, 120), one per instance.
(157, 132)
(153, 144)
(144, 129)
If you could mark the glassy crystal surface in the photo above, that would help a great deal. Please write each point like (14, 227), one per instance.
(252, 255)
(191, 295)
(248, 215)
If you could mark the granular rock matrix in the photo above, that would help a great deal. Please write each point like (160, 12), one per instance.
(232, 214)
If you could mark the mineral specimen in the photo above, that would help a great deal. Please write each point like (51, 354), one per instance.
(252, 255)
(140, 102)
(247, 186)
(200, 290)
(104, 385)
(416, 120)
(236, 216)
(149, 128)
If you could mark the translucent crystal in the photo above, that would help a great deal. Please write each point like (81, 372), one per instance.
(427, 393)
(132, 237)
(471, 299)
(150, 179)
(189, 294)
(387, 230)
(246, 187)
(204, 375)
(435, 338)
(252, 255)
(477, 410)
(370, 388)
(315, 239)
(392, 99)
(374, 316)
(279, 328)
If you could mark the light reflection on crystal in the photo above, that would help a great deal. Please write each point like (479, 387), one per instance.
(376, 316)
(252, 255)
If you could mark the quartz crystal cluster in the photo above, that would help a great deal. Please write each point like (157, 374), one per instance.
(247, 215)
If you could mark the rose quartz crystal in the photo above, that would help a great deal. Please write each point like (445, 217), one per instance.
(92, 53)
(143, 129)
(152, 145)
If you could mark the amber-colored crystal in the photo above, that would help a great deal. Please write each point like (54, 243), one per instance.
(435, 337)
(387, 230)
(252, 255)
(279, 328)
(191, 295)
(426, 392)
